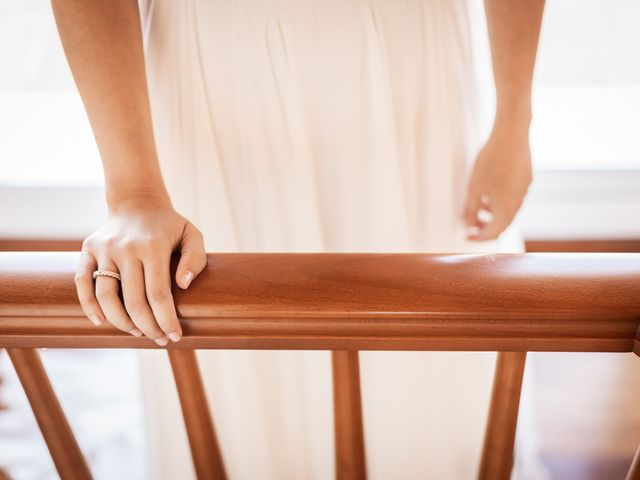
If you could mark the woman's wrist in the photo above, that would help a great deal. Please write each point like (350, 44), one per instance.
(135, 181)
(123, 197)
(513, 114)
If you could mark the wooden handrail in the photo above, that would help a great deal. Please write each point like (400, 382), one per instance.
(344, 301)
(512, 303)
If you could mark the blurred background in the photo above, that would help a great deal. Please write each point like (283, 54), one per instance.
(585, 141)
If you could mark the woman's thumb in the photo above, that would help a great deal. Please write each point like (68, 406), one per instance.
(193, 258)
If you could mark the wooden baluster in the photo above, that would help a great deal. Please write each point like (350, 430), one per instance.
(500, 434)
(349, 434)
(55, 429)
(634, 469)
(205, 449)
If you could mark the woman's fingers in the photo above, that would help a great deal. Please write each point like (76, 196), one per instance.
(149, 311)
(477, 214)
(495, 216)
(87, 264)
(138, 242)
(193, 258)
(157, 277)
(472, 205)
(107, 289)
(489, 231)
(135, 300)
(146, 293)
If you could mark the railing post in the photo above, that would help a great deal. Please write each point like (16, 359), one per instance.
(55, 429)
(349, 432)
(205, 449)
(634, 469)
(497, 452)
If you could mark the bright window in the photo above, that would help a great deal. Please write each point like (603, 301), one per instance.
(587, 86)
(586, 100)
(45, 138)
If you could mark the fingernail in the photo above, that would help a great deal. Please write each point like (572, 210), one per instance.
(186, 278)
(162, 341)
(174, 336)
(472, 231)
(135, 332)
(95, 319)
(485, 216)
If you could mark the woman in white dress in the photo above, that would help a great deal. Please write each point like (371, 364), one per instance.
(289, 125)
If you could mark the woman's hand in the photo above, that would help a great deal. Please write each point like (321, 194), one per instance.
(499, 181)
(137, 241)
(502, 172)
(103, 42)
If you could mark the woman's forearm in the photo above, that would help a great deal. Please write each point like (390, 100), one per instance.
(514, 29)
(103, 44)
(502, 171)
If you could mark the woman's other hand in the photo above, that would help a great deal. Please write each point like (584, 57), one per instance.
(499, 181)
(137, 241)
(502, 171)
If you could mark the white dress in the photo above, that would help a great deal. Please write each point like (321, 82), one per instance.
(319, 125)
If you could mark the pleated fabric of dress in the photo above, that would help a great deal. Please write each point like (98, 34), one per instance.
(312, 126)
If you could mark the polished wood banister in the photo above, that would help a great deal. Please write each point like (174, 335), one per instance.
(347, 302)
(504, 302)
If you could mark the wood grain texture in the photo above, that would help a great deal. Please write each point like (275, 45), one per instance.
(531, 245)
(634, 469)
(344, 301)
(205, 449)
(583, 245)
(40, 244)
(347, 416)
(497, 452)
(53, 424)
